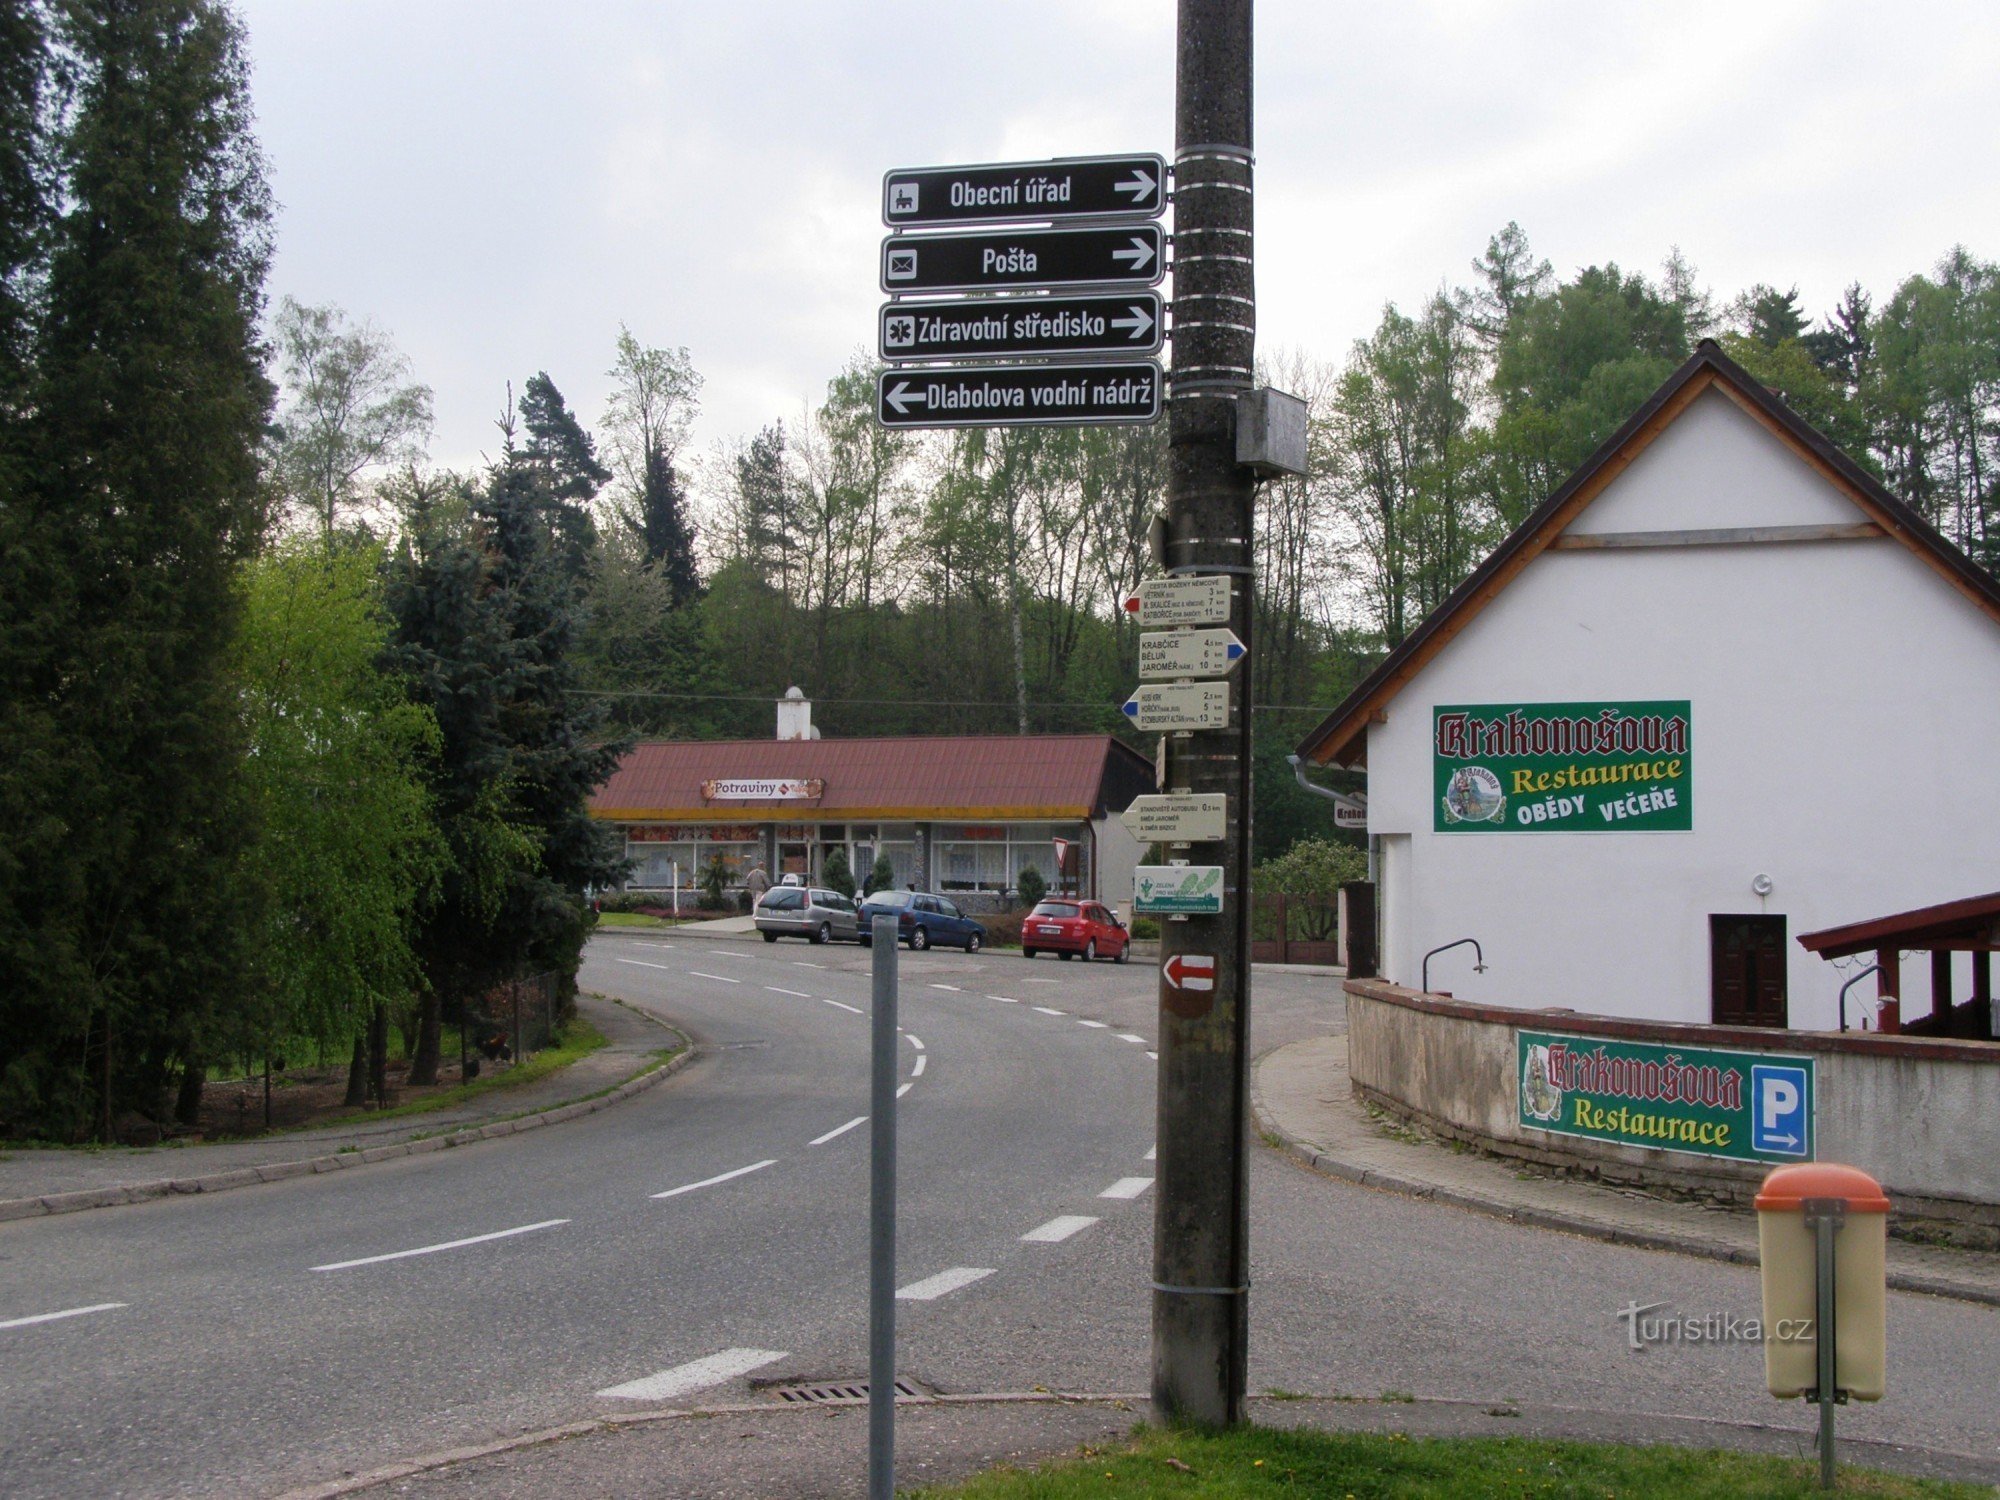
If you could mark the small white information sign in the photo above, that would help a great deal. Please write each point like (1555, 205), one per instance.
(1178, 818)
(1167, 654)
(1177, 890)
(1180, 705)
(1198, 599)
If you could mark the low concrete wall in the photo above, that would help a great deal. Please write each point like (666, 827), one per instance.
(1919, 1114)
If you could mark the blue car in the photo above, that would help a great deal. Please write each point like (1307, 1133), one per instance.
(922, 920)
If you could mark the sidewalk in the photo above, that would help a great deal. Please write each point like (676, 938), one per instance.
(35, 1182)
(1301, 1095)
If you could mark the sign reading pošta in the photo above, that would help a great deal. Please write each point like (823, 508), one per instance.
(1008, 395)
(1168, 654)
(1083, 187)
(1562, 768)
(1177, 890)
(1024, 259)
(1746, 1106)
(1002, 328)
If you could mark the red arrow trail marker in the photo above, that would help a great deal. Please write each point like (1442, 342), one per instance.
(1190, 971)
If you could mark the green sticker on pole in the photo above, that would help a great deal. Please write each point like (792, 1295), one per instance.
(1563, 767)
(1177, 890)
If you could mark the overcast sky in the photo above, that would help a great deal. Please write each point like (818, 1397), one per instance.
(499, 184)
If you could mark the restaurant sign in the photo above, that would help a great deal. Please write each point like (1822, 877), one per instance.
(777, 789)
(1745, 1106)
(1562, 768)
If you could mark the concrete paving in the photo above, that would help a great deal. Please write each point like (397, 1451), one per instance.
(1303, 1099)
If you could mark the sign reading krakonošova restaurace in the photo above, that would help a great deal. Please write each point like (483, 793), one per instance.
(1562, 768)
(1746, 1106)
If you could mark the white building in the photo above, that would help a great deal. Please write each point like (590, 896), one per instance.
(1721, 690)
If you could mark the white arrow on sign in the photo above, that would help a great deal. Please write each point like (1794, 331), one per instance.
(1140, 255)
(1141, 323)
(903, 395)
(1140, 185)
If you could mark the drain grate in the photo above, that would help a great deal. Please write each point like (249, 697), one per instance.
(841, 1392)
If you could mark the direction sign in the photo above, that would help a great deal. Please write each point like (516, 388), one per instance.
(1180, 705)
(1019, 395)
(1003, 259)
(1003, 327)
(1085, 187)
(1189, 599)
(1166, 654)
(1177, 890)
(1178, 818)
(1190, 971)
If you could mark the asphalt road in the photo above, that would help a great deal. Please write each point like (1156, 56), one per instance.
(259, 1339)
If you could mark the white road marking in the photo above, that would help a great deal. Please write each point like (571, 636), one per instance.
(918, 1070)
(712, 1181)
(933, 1287)
(718, 978)
(821, 1140)
(1152, 1153)
(952, 987)
(1041, 981)
(640, 963)
(854, 1008)
(1126, 1036)
(477, 1239)
(1050, 1010)
(1154, 1055)
(798, 994)
(695, 1375)
(725, 953)
(1127, 1187)
(800, 963)
(67, 1312)
(1059, 1228)
(1004, 999)
(904, 1089)
(914, 1041)
(1099, 1025)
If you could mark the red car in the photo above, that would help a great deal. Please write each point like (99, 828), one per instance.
(1073, 927)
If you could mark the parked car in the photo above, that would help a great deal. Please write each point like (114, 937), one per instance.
(1073, 927)
(922, 920)
(817, 915)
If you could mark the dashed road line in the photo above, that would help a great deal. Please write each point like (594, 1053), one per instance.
(718, 978)
(914, 1041)
(1154, 1055)
(695, 1375)
(477, 1239)
(67, 1312)
(712, 1181)
(918, 1070)
(1004, 999)
(640, 963)
(797, 994)
(1059, 1228)
(1152, 1153)
(854, 1009)
(1127, 1187)
(1096, 1025)
(800, 963)
(904, 1089)
(1050, 1010)
(1041, 981)
(838, 1130)
(1126, 1036)
(933, 1287)
(952, 987)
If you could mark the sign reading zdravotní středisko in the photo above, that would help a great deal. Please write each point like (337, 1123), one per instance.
(1747, 1106)
(1562, 767)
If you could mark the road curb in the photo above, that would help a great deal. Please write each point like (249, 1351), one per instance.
(1496, 1207)
(254, 1176)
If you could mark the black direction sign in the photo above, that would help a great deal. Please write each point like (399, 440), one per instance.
(1088, 187)
(1019, 396)
(995, 260)
(1006, 327)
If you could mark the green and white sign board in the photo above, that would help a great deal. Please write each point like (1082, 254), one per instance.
(1562, 767)
(1177, 890)
(1745, 1106)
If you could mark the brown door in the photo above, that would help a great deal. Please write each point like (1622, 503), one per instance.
(1747, 969)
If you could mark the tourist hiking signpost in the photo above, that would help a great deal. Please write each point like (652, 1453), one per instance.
(1177, 819)
(1169, 654)
(1179, 705)
(1082, 187)
(1198, 599)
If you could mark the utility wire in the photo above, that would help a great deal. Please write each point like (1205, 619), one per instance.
(1006, 703)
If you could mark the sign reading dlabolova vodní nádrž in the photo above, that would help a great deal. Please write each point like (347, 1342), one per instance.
(1746, 1106)
(1562, 768)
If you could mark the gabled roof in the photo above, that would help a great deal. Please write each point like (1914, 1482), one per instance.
(1971, 923)
(1034, 776)
(1341, 739)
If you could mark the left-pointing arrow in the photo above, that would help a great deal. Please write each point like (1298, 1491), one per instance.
(903, 396)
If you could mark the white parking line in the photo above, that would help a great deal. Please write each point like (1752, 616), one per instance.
(1059, 1228)
(640, 963)
(1099, 1025)
(1152, 1153)
(1126, 1036)
(918, 1070)
(712, 1181)
(904, 1089)
(798, 994)
(821, 1140)
(1127, 1187)
(854, 1008)
(477, 1239)
(1050, 1010)
(933, 1287)
(67, 1312)
(800, 963)
(695, 1375)
(914, 1041)
(952, 987)
(1004, 999)
(718, 978)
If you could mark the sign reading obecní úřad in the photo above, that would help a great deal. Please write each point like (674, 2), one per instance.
(1562, 768)
(1667, 1098)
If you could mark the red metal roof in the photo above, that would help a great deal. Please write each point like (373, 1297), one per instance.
(908, 777)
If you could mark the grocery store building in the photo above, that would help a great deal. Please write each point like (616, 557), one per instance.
(962, 815)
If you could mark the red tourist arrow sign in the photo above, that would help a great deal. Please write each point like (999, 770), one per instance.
(1190, 971)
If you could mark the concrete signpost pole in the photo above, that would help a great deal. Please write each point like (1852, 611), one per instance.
(882, 1219)
(1200, 1243)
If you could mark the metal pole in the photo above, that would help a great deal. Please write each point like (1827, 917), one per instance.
(1201, 1225)
(1826, 1224)
(882, 1220)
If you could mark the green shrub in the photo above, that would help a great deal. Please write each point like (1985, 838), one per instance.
(1031, 886)
(837, 874)
(881, 877)
(714, 880)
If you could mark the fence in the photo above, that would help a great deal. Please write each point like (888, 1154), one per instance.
(519, 1013)
(1288, 929)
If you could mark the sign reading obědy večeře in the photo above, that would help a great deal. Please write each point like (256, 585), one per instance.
(1562, 768)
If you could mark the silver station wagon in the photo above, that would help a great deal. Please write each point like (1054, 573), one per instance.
(817, 915)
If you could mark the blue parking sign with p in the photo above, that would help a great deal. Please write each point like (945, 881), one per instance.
(1781, 1109)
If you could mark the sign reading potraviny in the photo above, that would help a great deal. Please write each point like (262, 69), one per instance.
(1563, 767)
(1006, 327)
(1181, 599)
(1177, 890)
(1179, 705)
(1084, 187)
(763, 789)
(1020, 396)
(1746, 1106)
(1167, 654)
(1023, 259)
(1178, 818)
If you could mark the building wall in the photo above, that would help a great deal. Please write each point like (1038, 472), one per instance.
(1118, 854)
(1844, 700)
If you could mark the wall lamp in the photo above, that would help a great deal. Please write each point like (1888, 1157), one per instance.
(1871, 969)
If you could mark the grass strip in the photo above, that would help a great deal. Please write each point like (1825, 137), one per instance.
(577, 1040)
(1260, 1461)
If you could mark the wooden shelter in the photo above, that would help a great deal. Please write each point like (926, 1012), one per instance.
(1971, 925)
